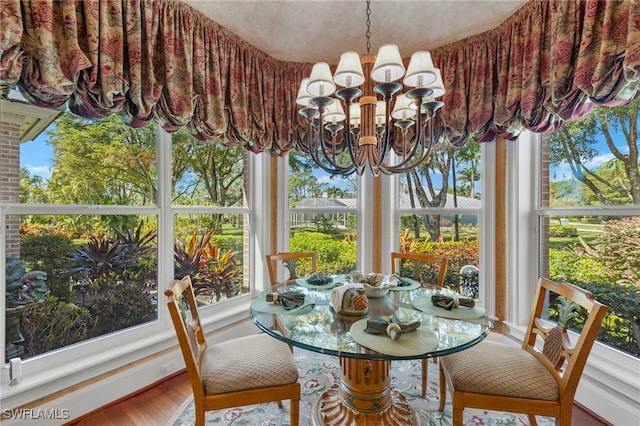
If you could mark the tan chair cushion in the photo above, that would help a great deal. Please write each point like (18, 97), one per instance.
(247, 363)
(499, 369)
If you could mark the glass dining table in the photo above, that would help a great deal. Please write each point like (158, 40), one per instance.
(365, 395)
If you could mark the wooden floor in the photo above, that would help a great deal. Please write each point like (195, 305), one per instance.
(157, 405)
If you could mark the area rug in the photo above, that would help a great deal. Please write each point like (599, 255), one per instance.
(320, 372)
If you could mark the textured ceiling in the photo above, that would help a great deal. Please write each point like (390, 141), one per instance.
(312, 31)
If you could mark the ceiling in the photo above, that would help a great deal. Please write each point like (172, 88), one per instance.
(320, 30)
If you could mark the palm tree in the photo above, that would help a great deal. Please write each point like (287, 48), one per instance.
(467, 177)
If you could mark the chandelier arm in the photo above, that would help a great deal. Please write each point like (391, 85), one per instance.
(426, 152)
(321, 103)
(406, 164)
(387, 90)
(350, 143)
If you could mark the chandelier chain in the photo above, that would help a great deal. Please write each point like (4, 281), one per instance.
(368, 23)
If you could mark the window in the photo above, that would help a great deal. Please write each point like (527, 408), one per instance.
(588, 215)
(88, 226)
(322, 214)
(439, 205)
(210, 225)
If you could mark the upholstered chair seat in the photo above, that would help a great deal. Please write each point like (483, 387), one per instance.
(498, 369)
(241, 371)
(540, 377)
(221, 373)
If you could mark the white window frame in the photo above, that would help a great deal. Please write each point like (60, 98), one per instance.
(45, 375)
(486, 260)
(610, 384)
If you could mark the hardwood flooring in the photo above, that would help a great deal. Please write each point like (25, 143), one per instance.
(156, 406)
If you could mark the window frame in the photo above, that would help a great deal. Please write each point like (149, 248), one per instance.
(607, 368)
(44, 375)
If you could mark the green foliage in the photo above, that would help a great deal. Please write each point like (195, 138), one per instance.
(121, 305)
(610, 270)
(49, 253)
(560, 231)
(52, 324)
(324, 223)
(458, 254)
(616, 182)
(206, 172)
(228, 242)
(333, 256)
(619, 248)
(620, 326)
(575, 266)
(127, 158)
(212, 272)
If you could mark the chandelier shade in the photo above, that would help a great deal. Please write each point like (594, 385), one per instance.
(355, 130)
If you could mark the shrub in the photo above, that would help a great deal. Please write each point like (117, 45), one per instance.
(562, 231)
(333, 256)
(228, 242)
(575, 266)
(49, 253)
(121, 305)
(618, 247)
(53, 323)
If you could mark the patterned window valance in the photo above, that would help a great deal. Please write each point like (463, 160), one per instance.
(551, 61)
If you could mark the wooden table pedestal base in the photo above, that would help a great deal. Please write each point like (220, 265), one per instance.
(364, 398)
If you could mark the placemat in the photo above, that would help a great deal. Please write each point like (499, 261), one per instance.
(412, 285)
(416, 342)
(302, 282)
(424, 304)
(260, 304)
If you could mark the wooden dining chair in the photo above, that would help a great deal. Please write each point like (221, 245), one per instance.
(426, 268)
(291, 261)
(421, 264)
(539, 378)
(243, 371)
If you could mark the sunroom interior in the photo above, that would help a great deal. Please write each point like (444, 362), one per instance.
(191, 72)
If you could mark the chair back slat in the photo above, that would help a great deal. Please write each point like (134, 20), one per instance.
(418, 261)
(290, 261)
(564, 358)
(183, 310)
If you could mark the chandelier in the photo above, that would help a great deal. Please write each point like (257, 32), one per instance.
(365, 139)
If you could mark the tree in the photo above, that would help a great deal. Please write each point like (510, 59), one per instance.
(32, 188)
(102, 162)
(211, 172)
(469, 154)
(575, 143)
(302, 182)
(439, 162)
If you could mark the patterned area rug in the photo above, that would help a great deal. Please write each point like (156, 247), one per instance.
(320, 372)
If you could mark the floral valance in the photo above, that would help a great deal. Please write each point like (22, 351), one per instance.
(549, 62)
(146, 59)
(142, 59)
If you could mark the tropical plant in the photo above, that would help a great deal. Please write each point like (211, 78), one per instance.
(100, 256)
(188, 258)
(212, 273)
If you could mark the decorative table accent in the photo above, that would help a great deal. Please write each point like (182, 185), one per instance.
(288, 300)
(392, 327)
(344, 298)
(451, 302)
(319, 279)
